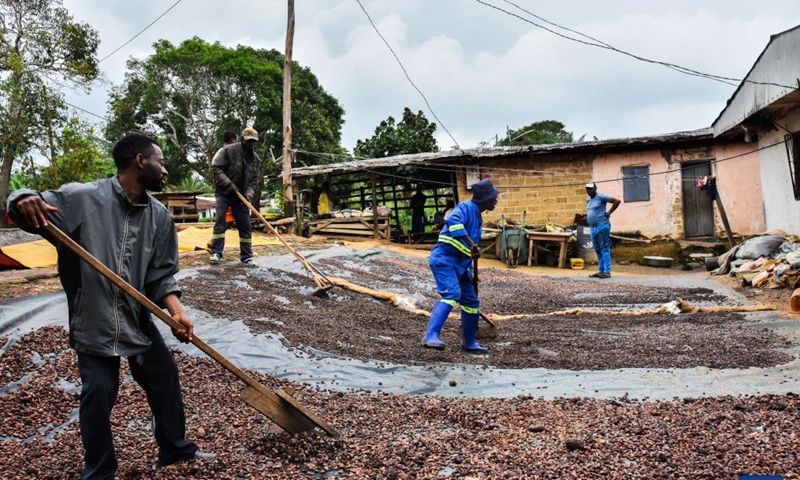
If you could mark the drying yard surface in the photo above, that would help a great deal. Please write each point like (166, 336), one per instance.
(389, 436)
(355, 325)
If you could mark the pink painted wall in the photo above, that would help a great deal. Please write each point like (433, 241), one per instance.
(739, 184)
(738, 180)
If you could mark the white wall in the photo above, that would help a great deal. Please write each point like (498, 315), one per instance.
(781, 210)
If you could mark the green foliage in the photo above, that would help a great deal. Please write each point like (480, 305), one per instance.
(404, 217)
(80, 157)
(414, 134)
(40, 47)
(537, 133)
(191, 93)
(19, 180)
(191, 184)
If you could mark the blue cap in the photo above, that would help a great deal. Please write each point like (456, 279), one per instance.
(483, 191)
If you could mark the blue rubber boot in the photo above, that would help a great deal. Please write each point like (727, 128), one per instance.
(469, 329)
(438, 316)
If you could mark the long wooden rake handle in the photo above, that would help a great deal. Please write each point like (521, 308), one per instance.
(475, 284)
(309, 266)
(276, 408)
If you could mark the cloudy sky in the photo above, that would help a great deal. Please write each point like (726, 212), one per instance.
(481, 69)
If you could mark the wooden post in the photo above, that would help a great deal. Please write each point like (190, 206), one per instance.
(51, 141)
(722, 214)
(288, 198)
(374, 205)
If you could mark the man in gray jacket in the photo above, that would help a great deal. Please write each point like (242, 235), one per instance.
(235, 167)
(132, 234)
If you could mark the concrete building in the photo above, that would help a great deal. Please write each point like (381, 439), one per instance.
(765, 111)
(653, 175)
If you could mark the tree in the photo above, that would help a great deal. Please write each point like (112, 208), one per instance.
(414, 134)
(537, 133)
(80, 156)
(40, 47)
(191, 93)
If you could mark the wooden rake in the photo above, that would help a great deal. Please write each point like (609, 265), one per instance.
(279, 406)
(323, 282)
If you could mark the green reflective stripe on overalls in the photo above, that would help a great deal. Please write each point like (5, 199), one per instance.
(452, 241)
(245, 240)
(469, 309)
(455, 227)
(452, 303)
(218, 235)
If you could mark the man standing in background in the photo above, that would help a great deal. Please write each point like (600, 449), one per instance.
(600, 227)
(418, 211)
(236, 168)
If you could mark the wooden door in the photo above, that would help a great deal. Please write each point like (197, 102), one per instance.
(698, 209)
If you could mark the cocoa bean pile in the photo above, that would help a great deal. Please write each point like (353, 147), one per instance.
(390, 436)
(357, 326)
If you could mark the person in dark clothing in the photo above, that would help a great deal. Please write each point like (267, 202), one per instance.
(132, 234)
(418, 211)
(229, 137)
(235, 167)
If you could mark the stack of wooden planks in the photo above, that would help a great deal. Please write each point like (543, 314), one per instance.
(181, 205)
(351, 227)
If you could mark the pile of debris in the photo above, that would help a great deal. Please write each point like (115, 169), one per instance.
(771, 260)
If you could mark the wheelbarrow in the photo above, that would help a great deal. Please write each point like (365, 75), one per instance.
(513, 243)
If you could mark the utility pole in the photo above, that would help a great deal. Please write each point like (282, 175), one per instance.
(288, 199)
(50, 139)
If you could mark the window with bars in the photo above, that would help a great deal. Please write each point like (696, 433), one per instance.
(636, 184)
(793, 154)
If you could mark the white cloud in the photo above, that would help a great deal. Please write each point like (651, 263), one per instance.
(480, 69)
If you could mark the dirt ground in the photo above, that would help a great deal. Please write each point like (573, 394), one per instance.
(387, 436)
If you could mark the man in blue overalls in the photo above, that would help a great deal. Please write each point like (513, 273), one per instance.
(450, 260)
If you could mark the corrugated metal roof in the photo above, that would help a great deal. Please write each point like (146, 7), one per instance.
(778, 64)
(499, 152)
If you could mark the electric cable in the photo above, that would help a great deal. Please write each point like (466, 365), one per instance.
(407, 76)
(606, 46)
(140, 32)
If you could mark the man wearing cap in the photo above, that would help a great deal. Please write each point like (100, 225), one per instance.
(450, 260)
(235, 167)
(600, 227)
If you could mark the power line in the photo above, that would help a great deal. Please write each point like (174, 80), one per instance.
(141, 32)
(407, 76)
(87, 111)
(603, 45)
